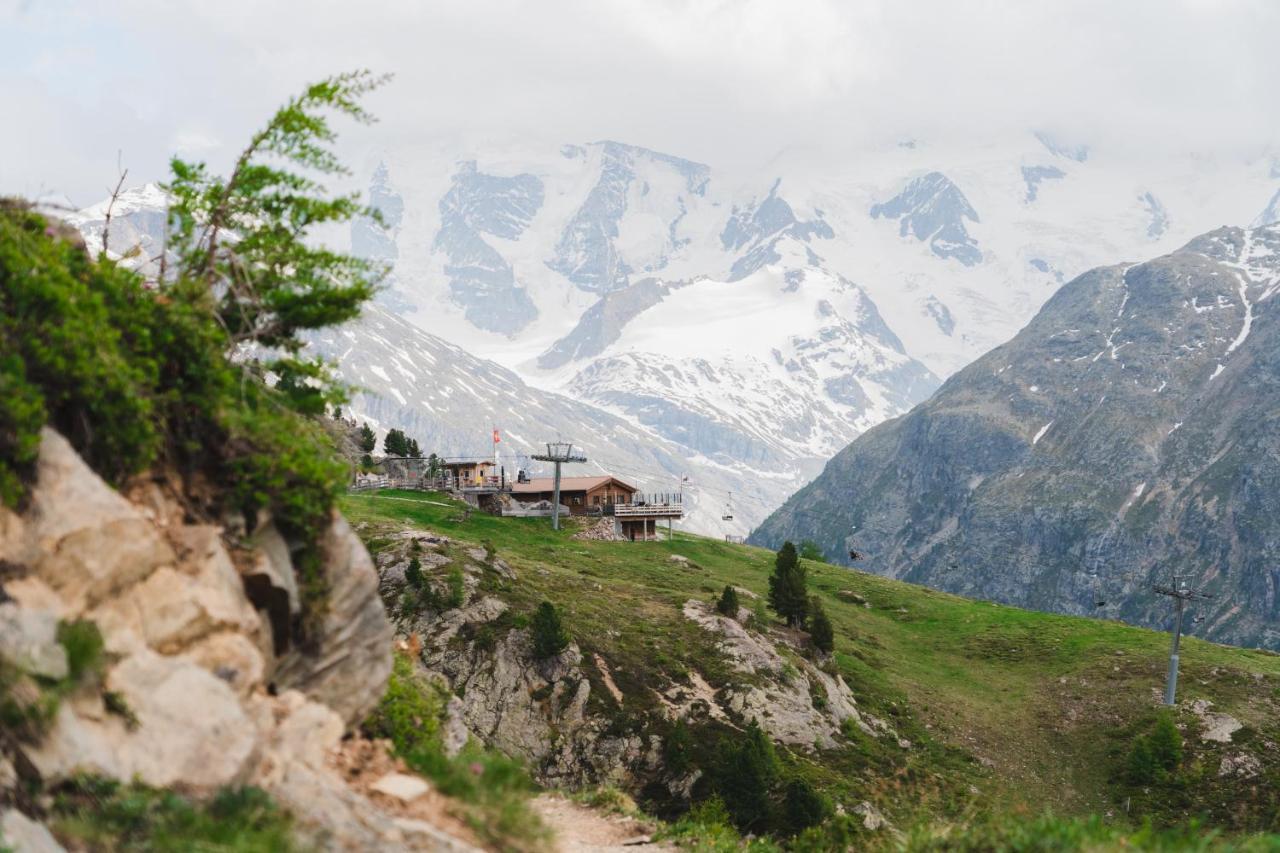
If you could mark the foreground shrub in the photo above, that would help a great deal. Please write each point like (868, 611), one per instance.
(728, 603)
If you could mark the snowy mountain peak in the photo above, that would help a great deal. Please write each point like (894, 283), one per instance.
(933, 208)
(481, 281)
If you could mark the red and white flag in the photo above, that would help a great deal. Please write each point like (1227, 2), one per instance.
(496, 439)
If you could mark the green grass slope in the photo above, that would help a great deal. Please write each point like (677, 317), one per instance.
(1006, 711)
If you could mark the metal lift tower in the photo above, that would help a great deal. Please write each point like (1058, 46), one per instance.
(558, 452)
(1181, 594)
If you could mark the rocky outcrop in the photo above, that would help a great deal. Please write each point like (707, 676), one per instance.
(780, 699)
(190, 692)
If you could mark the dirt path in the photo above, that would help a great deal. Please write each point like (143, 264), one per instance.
(579, 829)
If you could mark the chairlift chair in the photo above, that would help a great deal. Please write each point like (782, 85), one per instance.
(728, 509)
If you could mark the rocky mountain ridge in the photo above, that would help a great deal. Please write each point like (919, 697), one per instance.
(1126, 436)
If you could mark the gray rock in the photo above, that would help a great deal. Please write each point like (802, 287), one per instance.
(349, 660)
(932, 208)
(480, 279)
(587, 254)
(1032, 176)
(29, 641)
(23, 835)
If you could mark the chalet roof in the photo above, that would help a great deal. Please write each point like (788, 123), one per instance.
(567, 484)
(466, 463)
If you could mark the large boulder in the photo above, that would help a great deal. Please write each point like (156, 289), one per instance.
(348, 662)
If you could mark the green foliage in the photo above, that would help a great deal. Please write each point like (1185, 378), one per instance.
(1156, 755)
(83, 643)
(394, 443)
(245, 237)
(413, 574)
(101, 814)
(368, 438)
(803, 806)
(788, 587)
(820, 630)
(435, 465)
(410, 712)
(1141, 767)
(1019, 834)
(70, 331)
(412, 450)
(810, 550)
(494, 788)
(745, 776)
(1166, 743)
(457, 586)
(678, 749)
(728, 603)
(138, 374)
(549, 636)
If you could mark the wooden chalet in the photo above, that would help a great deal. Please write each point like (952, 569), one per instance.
(635, 515)
(469, 473)
(582, 495)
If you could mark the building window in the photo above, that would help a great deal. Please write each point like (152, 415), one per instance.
(596, 500)
(577, 501)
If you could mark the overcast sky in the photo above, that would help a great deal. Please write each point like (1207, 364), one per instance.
(721, 81)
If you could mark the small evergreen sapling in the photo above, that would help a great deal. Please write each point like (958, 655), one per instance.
(413, 574)
(1166, 744)
(728, 603)
(549, 636)
(820, 630)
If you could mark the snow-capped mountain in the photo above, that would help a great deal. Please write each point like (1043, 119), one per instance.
(755, 323)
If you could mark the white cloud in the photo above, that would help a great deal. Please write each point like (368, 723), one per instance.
(720, 81)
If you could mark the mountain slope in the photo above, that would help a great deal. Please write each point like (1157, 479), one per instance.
(1130, 431)
(957, 709)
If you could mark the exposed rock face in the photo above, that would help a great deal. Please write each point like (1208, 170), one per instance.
(781, 703)
(182, 697)
(588, 253)
(757, 229)
(1128, 430)
(480, 279)
(932, 208)
(350, 665)
(602, 323)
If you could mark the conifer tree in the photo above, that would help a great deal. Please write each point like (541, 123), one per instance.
(728, 603)
(746, 775)
(394, 443)
(788, 593)
(368, 438)
(549, 635)
(1166, 744)
(820, 630)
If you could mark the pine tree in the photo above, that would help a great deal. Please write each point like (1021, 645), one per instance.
(820, 631)
(1142, 766)
(412, 450)
(788, 595)
(549, 636)
(745, 776)
(1166, 744)
(434, 465)
(728, 603)
(803, 805)
(413, 574)
(368, 438)
(394, 443)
